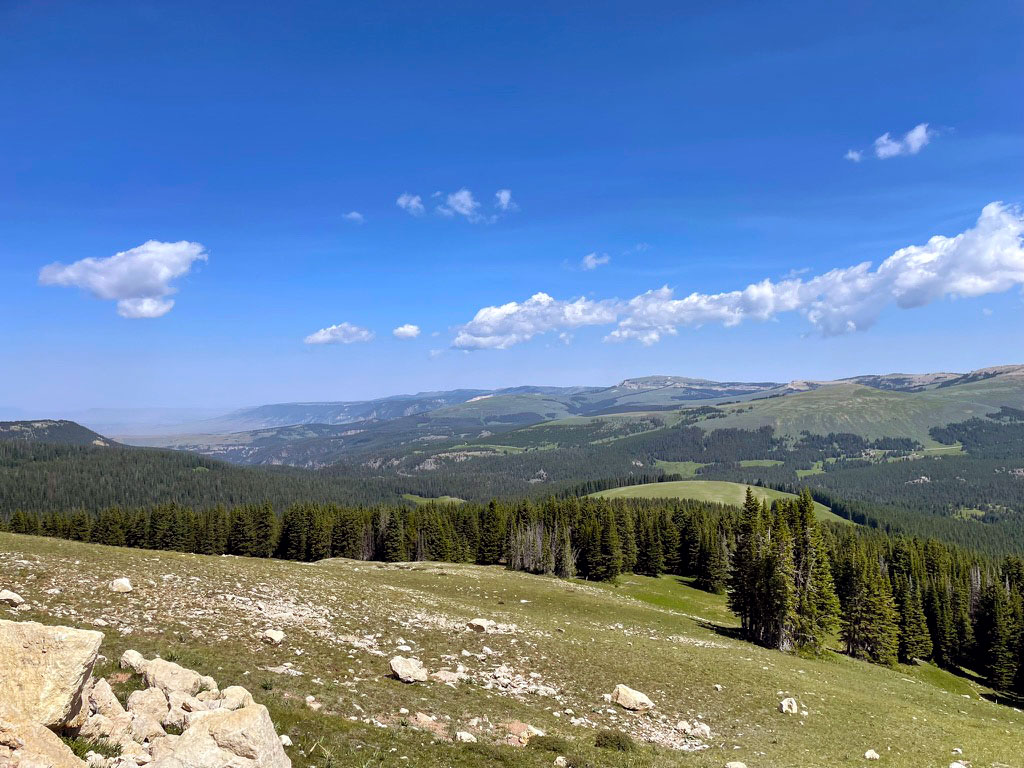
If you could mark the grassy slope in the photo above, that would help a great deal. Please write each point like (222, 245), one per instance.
(708, 490)
(656, 635)
(856, 408)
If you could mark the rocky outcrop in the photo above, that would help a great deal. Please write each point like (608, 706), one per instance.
(50, 689)
(241, 738)
(27, 745)
(632, 700)
(45, 672)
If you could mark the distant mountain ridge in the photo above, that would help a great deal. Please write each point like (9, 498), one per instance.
(437, 423)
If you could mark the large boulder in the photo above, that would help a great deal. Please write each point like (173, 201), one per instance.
(26, 745)
(627, 698)
(408, 670)
(12, 599)
(151, 702)
(45, 671)
(242, 738)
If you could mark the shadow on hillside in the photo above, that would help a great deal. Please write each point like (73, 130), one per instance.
(733, 633)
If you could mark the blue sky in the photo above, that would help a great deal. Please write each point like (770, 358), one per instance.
(702, 150)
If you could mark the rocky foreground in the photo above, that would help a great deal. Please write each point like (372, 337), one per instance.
(179, 720)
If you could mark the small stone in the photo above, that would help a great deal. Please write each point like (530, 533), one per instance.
(481, 625)
(273, 636)
(788, 706)
(872, 755)
(561, 762)
(735, 764)
(120, 585)
(285, 741)
(12, 599)
(466, 737)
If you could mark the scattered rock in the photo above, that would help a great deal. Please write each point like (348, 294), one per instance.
(12, 599)
(285, 741)
(46, 693)
(788, 706)
(120, 585)
(561, 762)
(872, 755)
(273, 636)
(629, 699)
(465, 736)
(408, 670)
(520, 733)
(735, 764)
(481, 625)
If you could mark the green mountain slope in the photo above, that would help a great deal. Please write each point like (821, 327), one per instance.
(658, 636)
(52, 431)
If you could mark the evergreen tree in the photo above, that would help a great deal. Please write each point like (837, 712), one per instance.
(915, 639)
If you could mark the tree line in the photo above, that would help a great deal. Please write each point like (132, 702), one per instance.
(794, 583)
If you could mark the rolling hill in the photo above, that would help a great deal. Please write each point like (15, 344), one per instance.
(708, 490)
(52, 432)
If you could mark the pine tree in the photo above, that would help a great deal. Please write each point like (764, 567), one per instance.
(997, 641)
(915, 639)
(491, 536)
(870, 626)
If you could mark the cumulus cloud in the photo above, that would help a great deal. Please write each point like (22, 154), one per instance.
(913, 141)
(354, 216)
(853, 155)
(461, 203)
(503, 200)
(412, 204)
(407, 331)
(343, 333)
(513, 323)
(594, 260)
(987, 258)
(139, 280)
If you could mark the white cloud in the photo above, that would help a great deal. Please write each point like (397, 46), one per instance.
(461, 203)
(854, 155)
(343, 333)
(138, 279)
(354, 216)
(413, 204)
(913, 141)
(987, 258)
(503, 200)
(515, 322)
(407, 331)
(594, 260)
